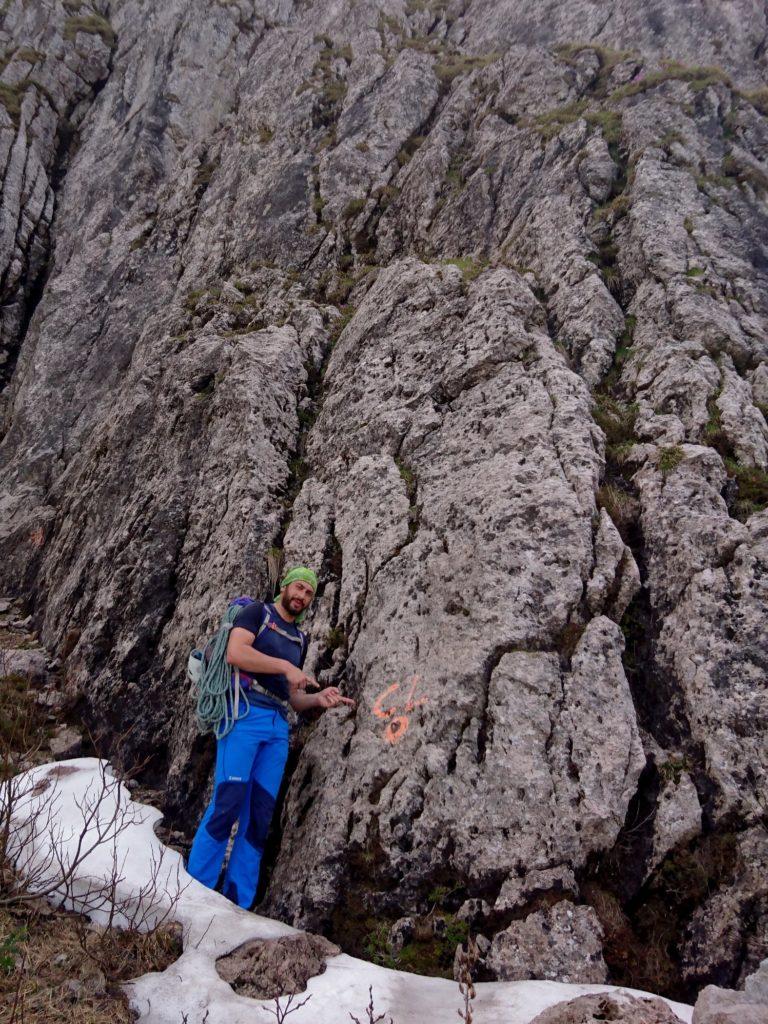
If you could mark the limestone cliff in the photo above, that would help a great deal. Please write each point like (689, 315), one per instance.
(464, 303)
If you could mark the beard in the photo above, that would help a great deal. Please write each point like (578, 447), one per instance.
(286, 602)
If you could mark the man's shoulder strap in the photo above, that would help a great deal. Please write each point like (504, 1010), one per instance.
(249, 603)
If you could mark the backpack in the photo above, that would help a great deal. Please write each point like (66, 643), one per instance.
(211, 676)
(219, 695)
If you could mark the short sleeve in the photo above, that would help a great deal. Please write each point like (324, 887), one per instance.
(251, 617)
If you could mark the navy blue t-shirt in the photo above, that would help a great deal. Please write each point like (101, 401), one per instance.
(280, 639)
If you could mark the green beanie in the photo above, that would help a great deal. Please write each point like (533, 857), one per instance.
(299, 573)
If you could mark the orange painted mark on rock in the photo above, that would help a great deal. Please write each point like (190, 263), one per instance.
(397, 726)
(378, 710)
(37, 537)
(396, 729)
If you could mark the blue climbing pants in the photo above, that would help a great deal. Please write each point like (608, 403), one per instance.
(249, 766)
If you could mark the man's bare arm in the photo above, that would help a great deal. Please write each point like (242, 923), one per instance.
(330, 697)
(242, 655)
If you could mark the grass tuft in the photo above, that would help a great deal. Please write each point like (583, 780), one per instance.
(698, 77)
(469, 267)
(670, 458)
(90, 24)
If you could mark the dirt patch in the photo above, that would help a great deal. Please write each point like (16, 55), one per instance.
(264, 969)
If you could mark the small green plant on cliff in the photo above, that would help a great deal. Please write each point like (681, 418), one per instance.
(456, 64)
(670, 458)
(609, 123)
(617, 421)
(353, 207)
(613, 210)
(376, 946)
(551, 123)
(409, 147)
(620, 505)
(752, 488)
(469, 267)
(673, 768)
(758, 98)
(335, 638)
(11, 97)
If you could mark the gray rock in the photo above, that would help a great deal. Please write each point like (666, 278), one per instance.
(726, 1006)
(66, 742)
(616, 577)
(266, 969)
(597, 171)
(27, 662)
(715, 936)
(677, 820)
(516, 893)
(401, 932)
(563, 943)
(620, 1007)
(507, 725)
(756, 985)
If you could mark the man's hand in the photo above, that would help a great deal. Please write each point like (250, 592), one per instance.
(298, 680)
(331, 697)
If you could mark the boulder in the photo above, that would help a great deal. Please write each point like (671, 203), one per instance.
(562, 943)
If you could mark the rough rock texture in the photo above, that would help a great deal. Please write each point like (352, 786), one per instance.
(756, 985)
(494, 711)
(678, 818)
(715, 932)
(54, 62)
(725, 1006)
(269, 968)
(466, 303)
(563, 944)
(625, 1008)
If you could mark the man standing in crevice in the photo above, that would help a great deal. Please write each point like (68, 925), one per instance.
(266, 651)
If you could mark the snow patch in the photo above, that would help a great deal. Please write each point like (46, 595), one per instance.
(83, 798)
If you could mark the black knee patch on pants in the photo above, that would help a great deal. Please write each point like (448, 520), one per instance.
(226, 806)
(230, 891)
(262, 809)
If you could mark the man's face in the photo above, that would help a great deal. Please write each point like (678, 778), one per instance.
(296, 597)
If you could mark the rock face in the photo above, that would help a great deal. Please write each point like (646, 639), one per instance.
(472, 315)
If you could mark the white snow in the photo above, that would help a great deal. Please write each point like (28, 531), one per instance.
(83, 797)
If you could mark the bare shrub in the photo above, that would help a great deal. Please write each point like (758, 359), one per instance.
(122, 928)
(466, 962)
(370, 1011)
(280, 1012)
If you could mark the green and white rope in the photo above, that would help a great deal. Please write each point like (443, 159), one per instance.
(216, 710)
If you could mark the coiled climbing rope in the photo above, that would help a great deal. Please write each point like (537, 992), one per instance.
(217, 707)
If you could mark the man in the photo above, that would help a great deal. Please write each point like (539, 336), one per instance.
(267, 651)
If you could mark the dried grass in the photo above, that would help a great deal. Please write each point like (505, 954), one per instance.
(66, 974)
